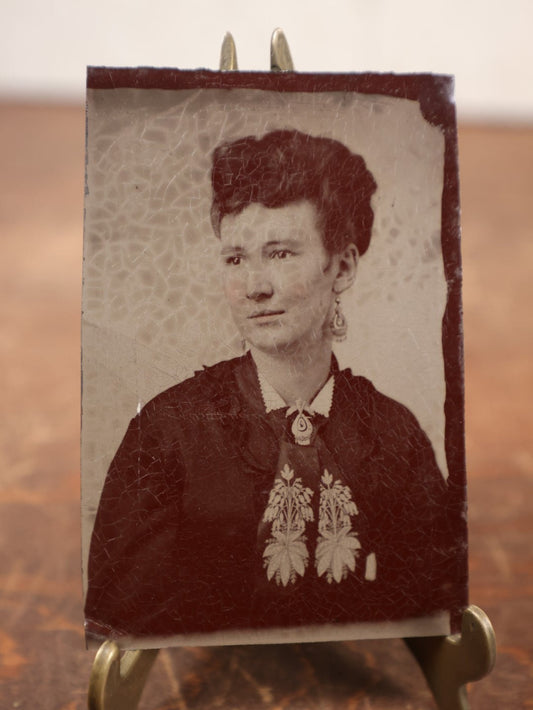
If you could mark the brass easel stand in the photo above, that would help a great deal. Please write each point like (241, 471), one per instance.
(448, 662)
(117, 682)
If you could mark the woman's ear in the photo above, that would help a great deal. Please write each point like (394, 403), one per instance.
(346, 268)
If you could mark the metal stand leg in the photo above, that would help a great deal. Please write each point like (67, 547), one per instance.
(449, 662)
(117, 683)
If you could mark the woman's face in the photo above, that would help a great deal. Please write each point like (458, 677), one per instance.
(278, 278)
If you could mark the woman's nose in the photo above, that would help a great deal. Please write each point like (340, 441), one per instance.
(258, 284)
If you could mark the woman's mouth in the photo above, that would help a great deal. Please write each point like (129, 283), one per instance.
(264, 314)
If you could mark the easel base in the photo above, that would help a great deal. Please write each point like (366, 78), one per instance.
(448, 662)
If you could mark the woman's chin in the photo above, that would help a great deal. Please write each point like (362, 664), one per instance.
(276, 349)
(281, 347)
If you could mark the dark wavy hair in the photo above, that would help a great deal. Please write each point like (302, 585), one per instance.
(284, 167)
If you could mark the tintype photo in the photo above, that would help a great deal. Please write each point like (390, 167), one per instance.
(272, 430)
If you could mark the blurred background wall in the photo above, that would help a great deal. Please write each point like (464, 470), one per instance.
(46, 44)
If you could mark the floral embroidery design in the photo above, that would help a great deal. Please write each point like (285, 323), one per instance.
(337, 546)
(286, 555)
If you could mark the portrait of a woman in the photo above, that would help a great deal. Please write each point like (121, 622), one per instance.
(275, 490)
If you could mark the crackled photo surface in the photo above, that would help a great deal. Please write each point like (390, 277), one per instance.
(272, 431)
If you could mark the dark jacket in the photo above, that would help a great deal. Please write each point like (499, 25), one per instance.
(174, 547)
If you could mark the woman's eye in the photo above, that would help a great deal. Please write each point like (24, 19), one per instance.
(282, 254)
(233, 260)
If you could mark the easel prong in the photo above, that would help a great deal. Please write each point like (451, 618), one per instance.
(228, 54)
(280, 54)
(450, 662)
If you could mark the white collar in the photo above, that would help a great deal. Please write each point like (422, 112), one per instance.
(321, 404)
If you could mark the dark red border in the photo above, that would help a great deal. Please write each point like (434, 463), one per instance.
(435, 96)
(434, 92)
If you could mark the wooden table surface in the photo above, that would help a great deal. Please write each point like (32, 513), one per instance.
(43, 662)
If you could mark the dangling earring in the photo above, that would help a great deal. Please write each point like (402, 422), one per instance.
(338, 324)
(243, 346)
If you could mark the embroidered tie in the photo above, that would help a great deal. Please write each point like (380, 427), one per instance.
(304, 493)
